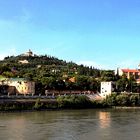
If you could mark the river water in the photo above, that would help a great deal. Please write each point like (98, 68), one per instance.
(71, 125)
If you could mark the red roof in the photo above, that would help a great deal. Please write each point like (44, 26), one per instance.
(130, 70)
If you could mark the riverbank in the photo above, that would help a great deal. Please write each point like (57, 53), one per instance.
(61, 102)
(28, 104)
(126, 107)
(122, 101)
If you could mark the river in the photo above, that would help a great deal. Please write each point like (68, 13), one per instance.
(90, 124)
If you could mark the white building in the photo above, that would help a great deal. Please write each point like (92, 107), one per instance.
(106, 89)
(23, 61)
(28, 54)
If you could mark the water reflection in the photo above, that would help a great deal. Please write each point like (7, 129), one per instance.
(104, 119)
(71, 125)
(17, 128)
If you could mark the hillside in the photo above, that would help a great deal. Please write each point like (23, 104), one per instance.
(52, 73)
(23, 64)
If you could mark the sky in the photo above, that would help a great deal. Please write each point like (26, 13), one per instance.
(101, 33)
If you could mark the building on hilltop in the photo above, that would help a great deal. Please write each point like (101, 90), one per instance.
(17, 86)
(29, 53)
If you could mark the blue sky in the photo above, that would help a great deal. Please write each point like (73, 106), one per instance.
(101, 33)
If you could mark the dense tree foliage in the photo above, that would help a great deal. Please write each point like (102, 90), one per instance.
(122, 100)
(51, 73)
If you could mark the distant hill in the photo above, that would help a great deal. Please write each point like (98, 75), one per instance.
(22, 63)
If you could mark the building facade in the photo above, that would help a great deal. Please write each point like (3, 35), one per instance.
(106, 89)
(18, 86)
(130, 72)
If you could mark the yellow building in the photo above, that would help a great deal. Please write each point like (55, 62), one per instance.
(130, 72)
(22, 86)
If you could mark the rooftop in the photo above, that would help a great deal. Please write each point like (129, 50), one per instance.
(130, 70)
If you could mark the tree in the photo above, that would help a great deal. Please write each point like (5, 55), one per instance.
(111, 100)
(82, 82)
(108, 75)
(131, 83)
(122, 100)
(134, 100)
(122, 83)
(8, 74)
(28, 76)
(93, 84)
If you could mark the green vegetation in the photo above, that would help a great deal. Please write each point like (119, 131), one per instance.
(51, 73)
(122, 100)
(73, 102)
(62, 102)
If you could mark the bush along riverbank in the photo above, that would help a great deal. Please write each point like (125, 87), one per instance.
(71, 102)
(122, 100)
(82, 101)
(61, 102)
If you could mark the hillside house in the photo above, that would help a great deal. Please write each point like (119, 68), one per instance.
(130, 72)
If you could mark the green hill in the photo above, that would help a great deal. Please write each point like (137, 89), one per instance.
(52, 73)
(21, 66)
